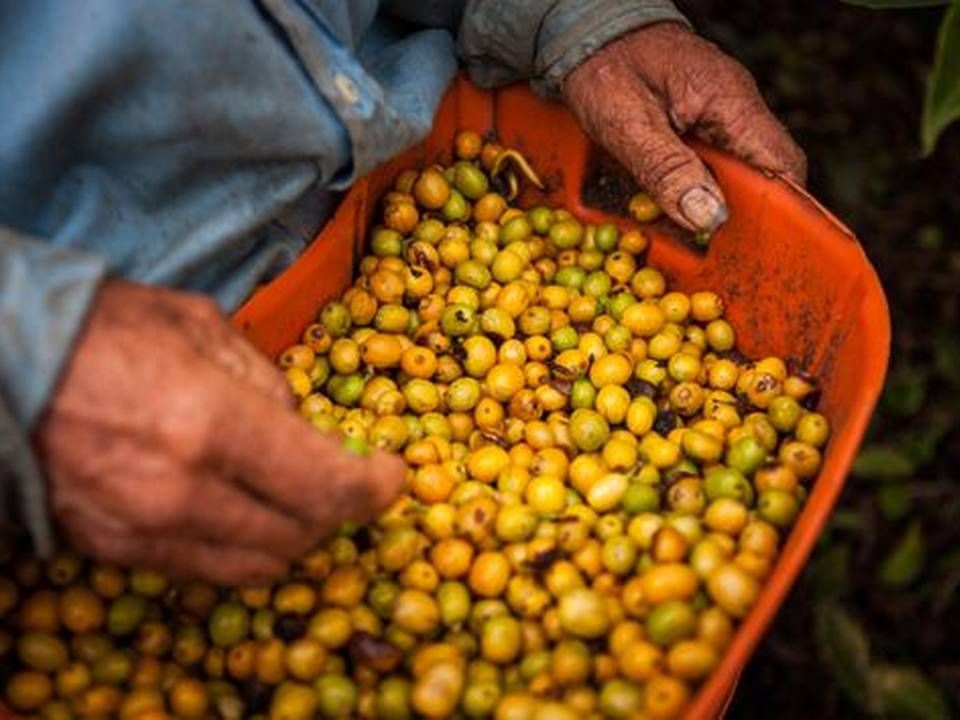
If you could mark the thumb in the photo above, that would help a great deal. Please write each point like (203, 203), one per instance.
(626, 118)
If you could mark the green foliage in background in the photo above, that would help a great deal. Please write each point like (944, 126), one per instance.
(942, 101)
(942, 104)
(872, 627)
(879, 689)
(896, 4)
(921, 400)
(890, 465)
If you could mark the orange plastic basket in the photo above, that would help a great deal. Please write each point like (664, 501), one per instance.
(795, 281)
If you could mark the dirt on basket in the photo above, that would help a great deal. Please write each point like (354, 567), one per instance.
(848, 82)
(608, 186)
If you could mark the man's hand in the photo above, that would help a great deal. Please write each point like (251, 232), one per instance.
(638, 94)
(171, 444)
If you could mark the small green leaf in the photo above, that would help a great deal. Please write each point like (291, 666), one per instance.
(930, 237)
(879, 462)
(894, 500)
(920, 447)
(848, 519)
(831, 571)
(942, 102)
(895, 4)
(844, 647)
(950, 562)
(905, 562)
(947, 583)
(905, 694)
(905, 391)
(946, 357)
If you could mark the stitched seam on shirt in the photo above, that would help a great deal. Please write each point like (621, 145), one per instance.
(570, 38)
(283, 36)
(622, 19)
(540, 25)
(646, 12)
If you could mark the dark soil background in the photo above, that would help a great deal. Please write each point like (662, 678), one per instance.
(848, 82)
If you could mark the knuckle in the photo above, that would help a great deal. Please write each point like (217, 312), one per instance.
(280, 390)
(269, 381)
(202, 307)
(689, 93)
(191, 425)
(165, 508)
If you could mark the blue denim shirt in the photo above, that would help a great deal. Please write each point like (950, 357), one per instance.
(196, 144)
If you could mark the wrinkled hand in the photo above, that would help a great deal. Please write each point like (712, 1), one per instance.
(171, 444)
(638, 94)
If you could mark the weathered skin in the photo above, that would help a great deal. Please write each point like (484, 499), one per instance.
(171, 444)
(640, 93)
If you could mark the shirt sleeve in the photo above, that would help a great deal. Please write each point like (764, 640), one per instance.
(502, 41)
(165, 141)
(45, 292)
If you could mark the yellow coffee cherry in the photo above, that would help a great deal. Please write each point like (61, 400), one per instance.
(545, 494)
(487, 463)
(597, 487)
(670, 581)
(614, 369)
(733, 589)
(489, 574)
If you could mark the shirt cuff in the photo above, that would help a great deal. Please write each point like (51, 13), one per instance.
(45, 293)
(574, 30)
(23, 497)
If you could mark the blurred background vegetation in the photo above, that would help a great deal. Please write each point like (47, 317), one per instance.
(873, 627)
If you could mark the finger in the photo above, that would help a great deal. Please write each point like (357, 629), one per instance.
(633, 126)
(187, 559)
(222, 512)
(244, 362)
(714, 96)
(280, 457)
(157, 495)
(738, 120)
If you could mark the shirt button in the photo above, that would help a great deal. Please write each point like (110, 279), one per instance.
(346, 87)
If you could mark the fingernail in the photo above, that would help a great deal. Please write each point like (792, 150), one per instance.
(702, 209)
